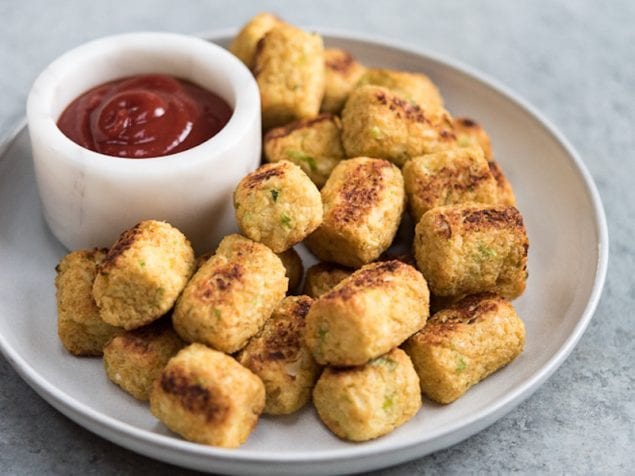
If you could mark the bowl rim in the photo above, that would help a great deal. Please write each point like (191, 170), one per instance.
(242, 83)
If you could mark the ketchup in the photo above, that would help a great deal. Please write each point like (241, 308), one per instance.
(144, 116)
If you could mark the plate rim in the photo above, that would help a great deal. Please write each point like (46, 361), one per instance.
(147, 442)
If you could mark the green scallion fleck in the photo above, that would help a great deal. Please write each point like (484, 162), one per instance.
(460, 365)
(486, 252)
(385, 362)
(376, 132)
(302, 157)
(274, 194)
(463, 140)
(285, 220)
(388, 402)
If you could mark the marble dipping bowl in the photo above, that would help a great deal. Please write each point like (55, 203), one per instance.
(89, 198)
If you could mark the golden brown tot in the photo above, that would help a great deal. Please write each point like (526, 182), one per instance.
(469, 133)
(231, 295)
(315, 145)
(365, 402)
(471, 248)
(277, 205)
(448, 177)
(133, 360)
(363, 202)
(142, 275)
(367, 314)
(244, 44)
(341, 74)
(280, 357)
(79, 326)
(293, 267)
(207, 397)
(378, 123)
(289, 69)
(322, 277)
(465, 343)
(413, 87)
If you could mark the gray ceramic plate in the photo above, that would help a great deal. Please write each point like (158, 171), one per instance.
(567, 264)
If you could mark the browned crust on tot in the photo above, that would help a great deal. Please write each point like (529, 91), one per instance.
(410, 111)
(287, 129)
(137, 341)
(466, 122)
(94, 255)
(194, 397)
(497, 172)
(360, 191)
(262, 174)
(123, 243)
(449, 177)
(341, 63)
(492, 218)
(223, 279)
(286, 337)
(466, 311)
(470, 308)
(302, 307)
(257, 53)
(370, 277)
(442, 227)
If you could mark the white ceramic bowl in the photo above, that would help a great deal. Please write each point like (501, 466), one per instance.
(88, 198)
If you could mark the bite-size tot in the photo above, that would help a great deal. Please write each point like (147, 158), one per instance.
(280, 357)
(322, 277)
(133, 360)
(375, 309)
(277, 205)
(289, 68)
(505, 192)
(413, 87)
(232, 294)
(472, 248)
(368, 401)
(463, 344)
(363, 202)
(377, 122)
(142, 275)
(207, 397)
(342, 72)
(468, 134)
(293, 267)
(448, 177)
(315, 145)
(245, 42)
(201, 259)
(79, 326)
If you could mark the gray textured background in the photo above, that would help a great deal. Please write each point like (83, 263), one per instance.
(574, 60)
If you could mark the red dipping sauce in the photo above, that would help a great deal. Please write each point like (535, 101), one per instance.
(144, 116)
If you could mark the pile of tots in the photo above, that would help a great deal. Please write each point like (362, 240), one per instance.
(214, 342)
